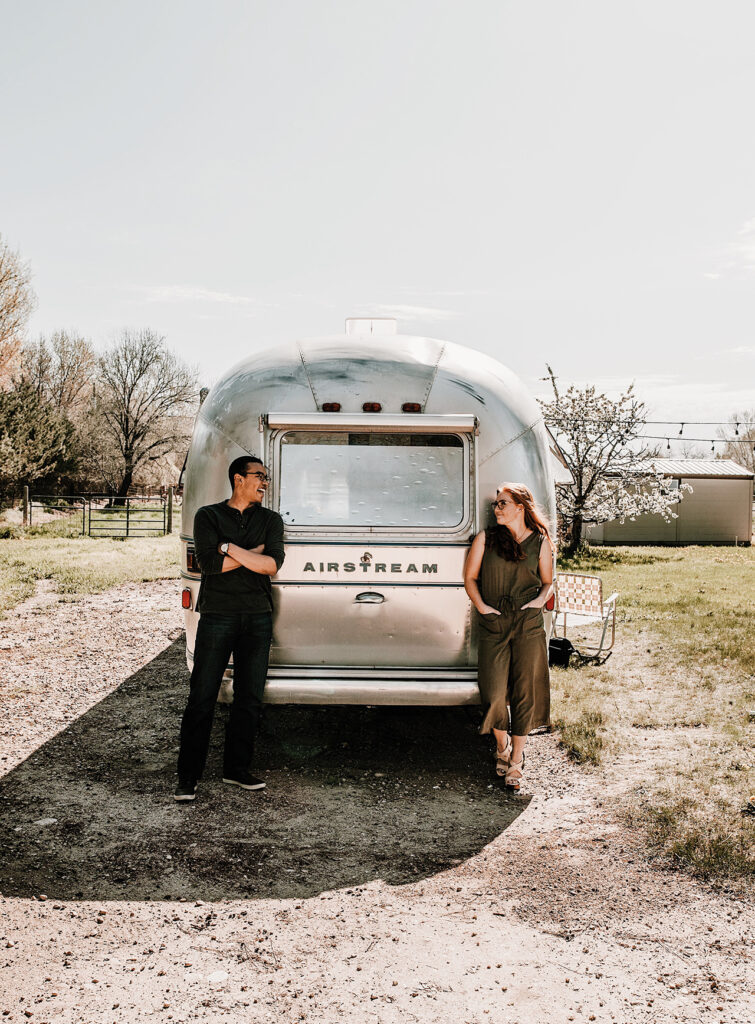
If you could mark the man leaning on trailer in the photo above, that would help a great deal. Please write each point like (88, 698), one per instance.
(239, 546)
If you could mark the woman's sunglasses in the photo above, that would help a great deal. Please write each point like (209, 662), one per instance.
(500, 505)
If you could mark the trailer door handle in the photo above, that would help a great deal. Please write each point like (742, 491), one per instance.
(369, 597)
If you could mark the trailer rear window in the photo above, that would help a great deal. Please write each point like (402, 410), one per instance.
(367, 479)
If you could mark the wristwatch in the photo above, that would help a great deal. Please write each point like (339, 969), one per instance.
(224, 548)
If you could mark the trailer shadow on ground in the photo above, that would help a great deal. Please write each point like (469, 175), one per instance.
(353, 794)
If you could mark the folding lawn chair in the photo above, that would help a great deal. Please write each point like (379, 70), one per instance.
(579, 602)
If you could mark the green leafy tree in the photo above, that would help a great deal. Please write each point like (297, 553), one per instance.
(35, 439)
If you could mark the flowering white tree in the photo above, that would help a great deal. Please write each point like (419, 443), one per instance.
(611, 465)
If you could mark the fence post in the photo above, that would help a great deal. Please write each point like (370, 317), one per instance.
(26, 505)
(128, 508)
(169, 524)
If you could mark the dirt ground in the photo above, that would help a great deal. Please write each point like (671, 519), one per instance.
(383, 875)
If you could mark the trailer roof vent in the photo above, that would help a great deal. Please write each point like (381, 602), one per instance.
(371, 325)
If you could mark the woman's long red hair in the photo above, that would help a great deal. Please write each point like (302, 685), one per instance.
(501, 539)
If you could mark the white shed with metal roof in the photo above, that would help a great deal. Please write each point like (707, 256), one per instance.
(718, 510)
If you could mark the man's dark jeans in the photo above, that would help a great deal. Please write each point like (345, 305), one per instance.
(248, 638)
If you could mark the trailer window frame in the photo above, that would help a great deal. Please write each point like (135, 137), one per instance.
(434, 533)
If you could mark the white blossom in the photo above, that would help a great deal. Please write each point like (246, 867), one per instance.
(612, 467)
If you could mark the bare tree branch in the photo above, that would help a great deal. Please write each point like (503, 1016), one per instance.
(144, 393)
(742, 428)
(16, 305)
(62, 371)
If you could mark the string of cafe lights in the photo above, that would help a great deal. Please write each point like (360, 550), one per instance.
(712, 441)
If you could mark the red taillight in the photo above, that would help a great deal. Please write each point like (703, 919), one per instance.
(191, 560)
(331, 406)
(186, 598)
(372, 407)
(550, 604)
(411, 407)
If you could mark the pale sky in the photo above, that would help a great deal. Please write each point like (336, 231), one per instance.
(569, 181)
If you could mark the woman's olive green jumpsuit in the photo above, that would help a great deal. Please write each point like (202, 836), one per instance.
(512, 654)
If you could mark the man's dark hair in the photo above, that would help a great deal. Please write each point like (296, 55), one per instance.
(239, 466)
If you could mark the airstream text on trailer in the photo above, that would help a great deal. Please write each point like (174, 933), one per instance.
(384, 450)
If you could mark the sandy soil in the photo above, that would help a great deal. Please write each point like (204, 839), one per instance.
(382, 876)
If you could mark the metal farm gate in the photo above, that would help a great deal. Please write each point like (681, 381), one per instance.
(127, 517)
(104, 515)
(64, 505)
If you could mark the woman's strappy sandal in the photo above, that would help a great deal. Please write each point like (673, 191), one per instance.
(514, 775)
(502, 759)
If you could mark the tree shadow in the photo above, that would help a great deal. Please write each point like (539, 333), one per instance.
(353, 794)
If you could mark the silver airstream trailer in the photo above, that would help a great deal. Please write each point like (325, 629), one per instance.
(384, 451)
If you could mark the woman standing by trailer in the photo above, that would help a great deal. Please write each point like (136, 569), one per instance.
(509, 577)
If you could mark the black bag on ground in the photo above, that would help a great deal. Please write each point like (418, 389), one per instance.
(560, 650)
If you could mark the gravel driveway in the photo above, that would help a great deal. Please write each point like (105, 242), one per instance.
(383, 875)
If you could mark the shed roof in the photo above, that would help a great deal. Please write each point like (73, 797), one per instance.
(722, 468)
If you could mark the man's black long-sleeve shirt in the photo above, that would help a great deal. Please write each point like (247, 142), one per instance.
(239, 590)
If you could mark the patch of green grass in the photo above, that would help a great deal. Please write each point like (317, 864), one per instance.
(582, 736)
(597, 559)
(696, 599)
(580, 713)
(80, 565)
(65, 526)
(675, 699)
(678, 830)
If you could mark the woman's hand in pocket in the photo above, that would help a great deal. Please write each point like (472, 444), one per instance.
(487, 610)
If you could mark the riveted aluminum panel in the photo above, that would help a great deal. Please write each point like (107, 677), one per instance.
(331, 624)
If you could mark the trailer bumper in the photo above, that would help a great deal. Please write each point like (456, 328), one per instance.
(430, 687)
(376, 686)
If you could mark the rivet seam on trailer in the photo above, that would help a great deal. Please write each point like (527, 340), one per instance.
(309, 379)
(432, 379)
(214, 424)
(511, 440)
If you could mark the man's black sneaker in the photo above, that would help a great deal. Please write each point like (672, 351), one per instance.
(185, 790)
(245, 780)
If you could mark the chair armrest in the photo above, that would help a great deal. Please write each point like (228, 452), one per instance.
(611, 600)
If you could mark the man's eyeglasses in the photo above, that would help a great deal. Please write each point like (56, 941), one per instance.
(501, 504)
(262, 476)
